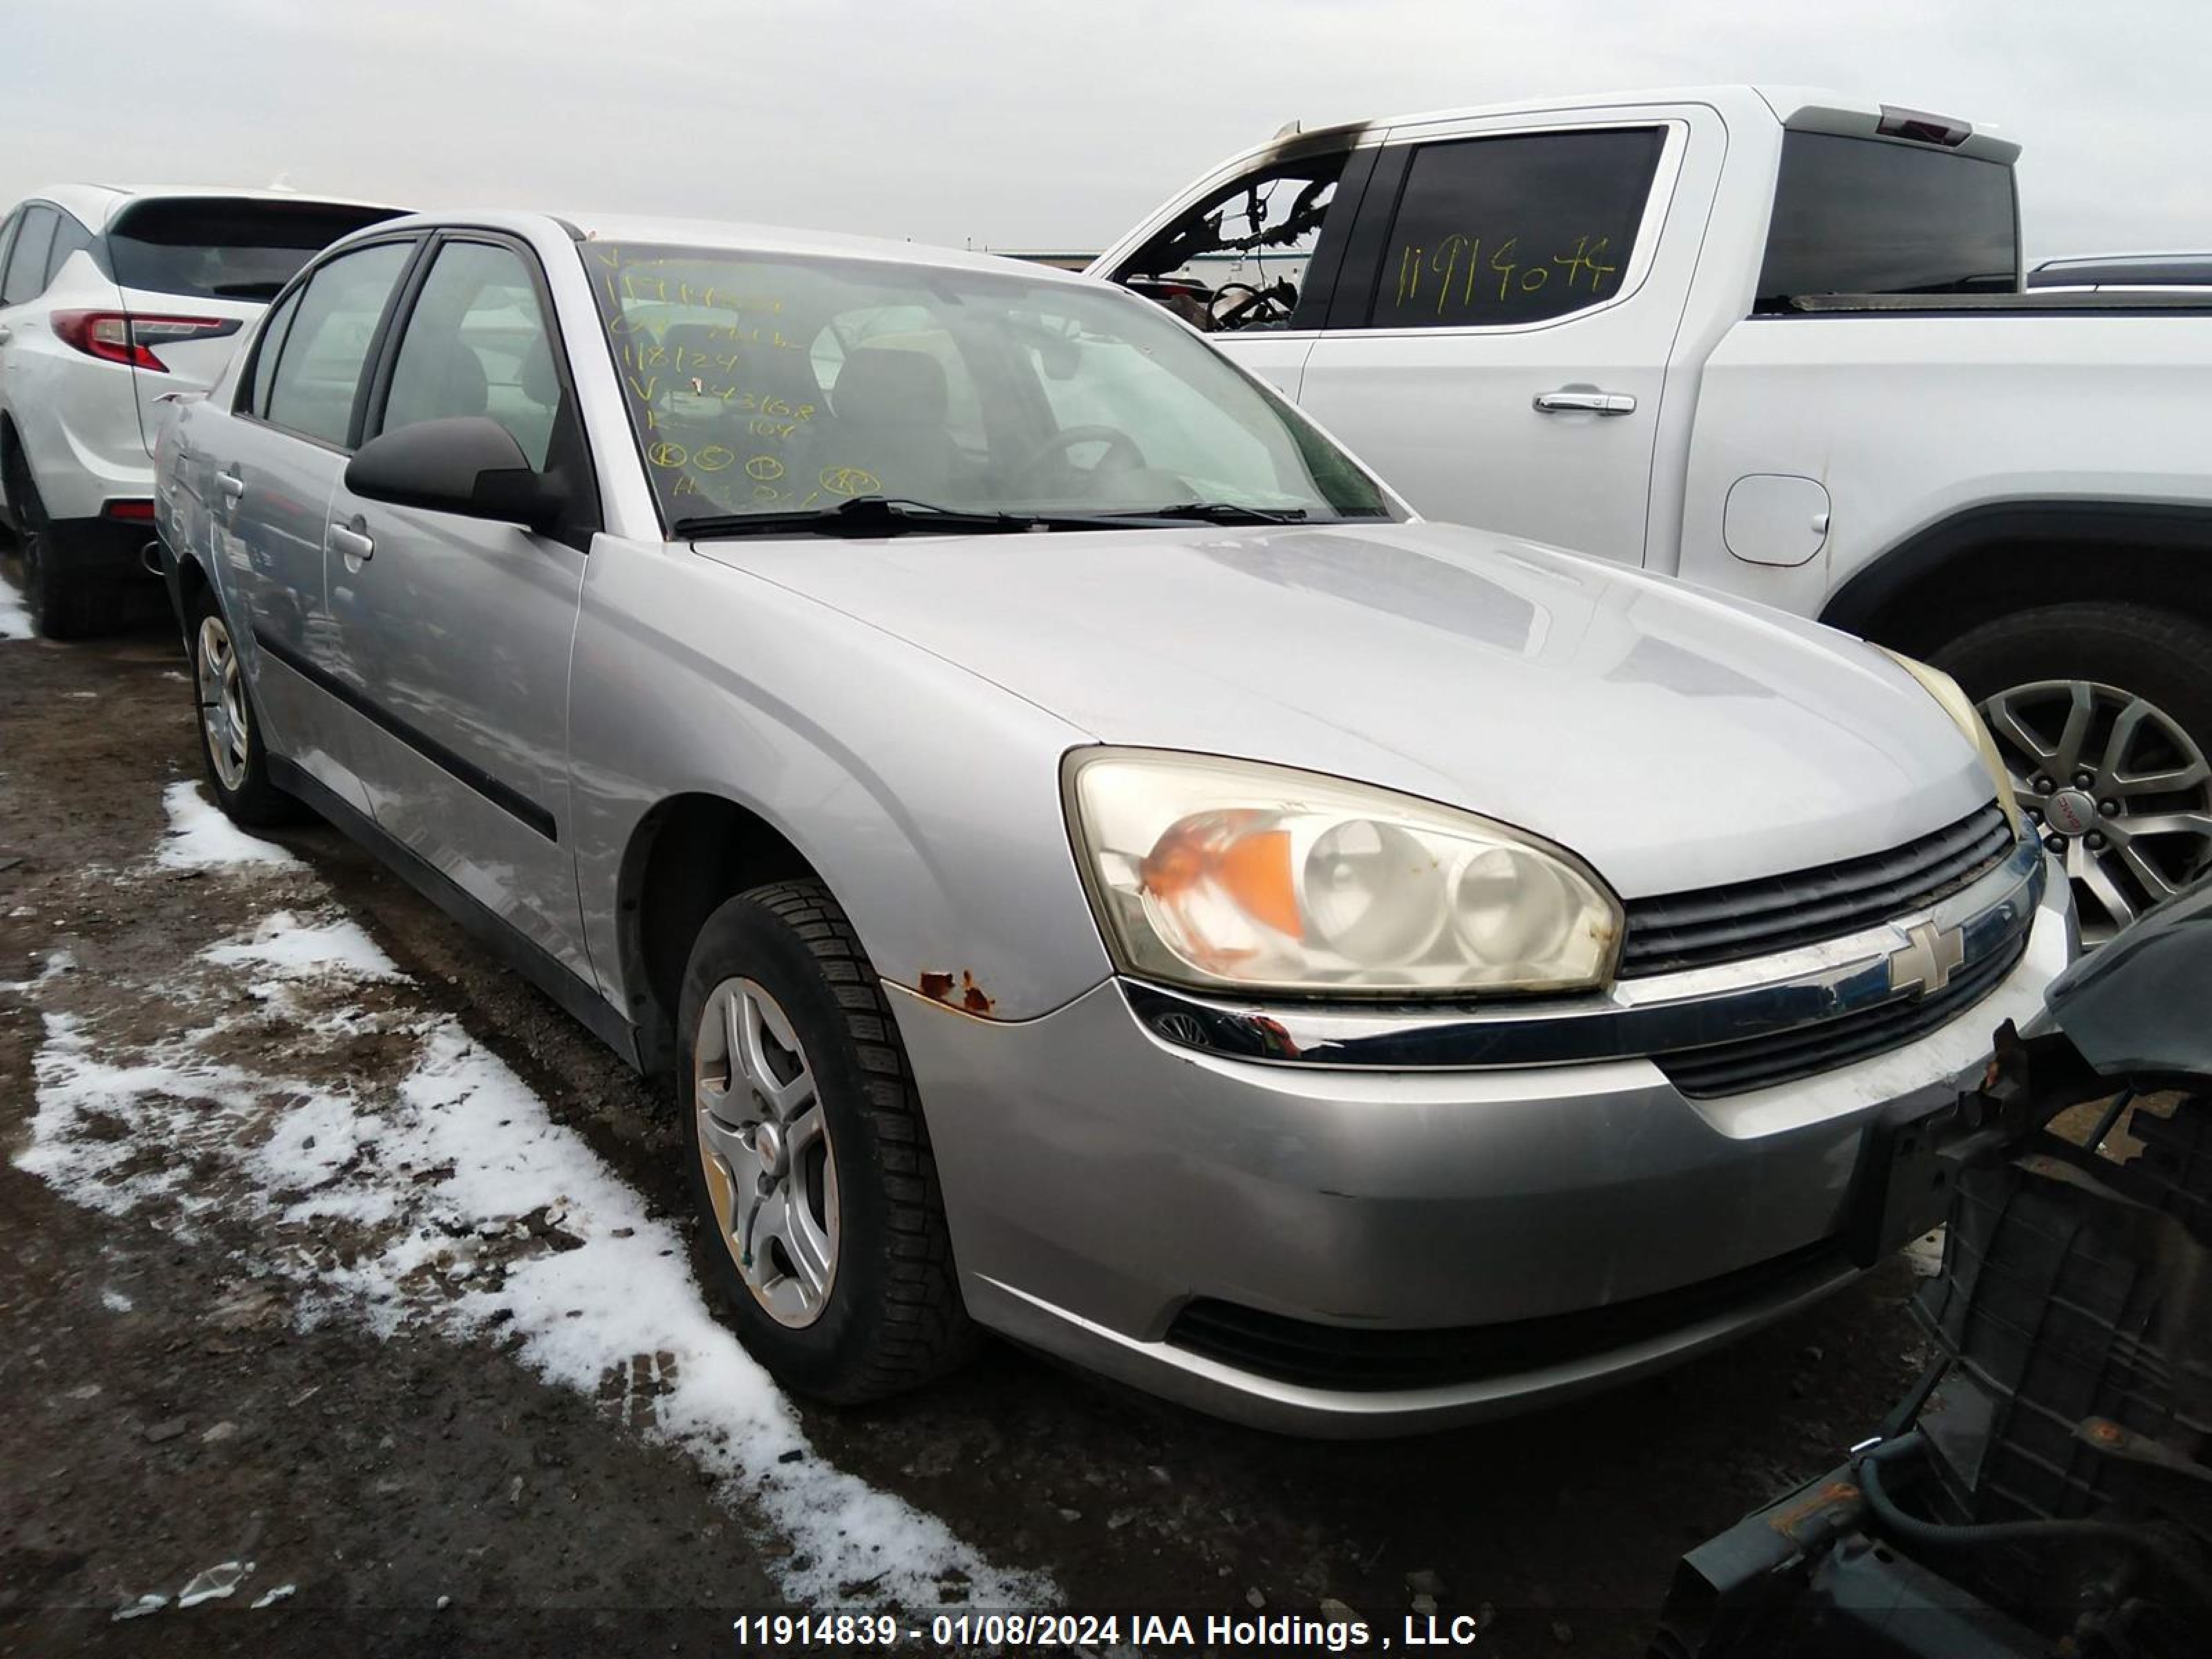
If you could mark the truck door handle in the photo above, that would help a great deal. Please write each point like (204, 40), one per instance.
(1585, 402)
(353, 544)
(231, 484)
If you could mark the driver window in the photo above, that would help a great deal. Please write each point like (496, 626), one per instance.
(477, 344)
(1237, 260)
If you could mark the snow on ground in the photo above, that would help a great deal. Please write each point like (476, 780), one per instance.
(437, 1192)
(200, 837)
(15, 619)
(297, 949)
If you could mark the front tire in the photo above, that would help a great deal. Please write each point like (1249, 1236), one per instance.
(2103, 711)
(811, 1170)
(233, 753)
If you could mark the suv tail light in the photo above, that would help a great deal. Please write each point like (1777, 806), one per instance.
(117, 336)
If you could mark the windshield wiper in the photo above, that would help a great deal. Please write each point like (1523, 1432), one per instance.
(861, 515)
(1218, 512)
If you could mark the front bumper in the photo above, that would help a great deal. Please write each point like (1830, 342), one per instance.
(1100, 1180)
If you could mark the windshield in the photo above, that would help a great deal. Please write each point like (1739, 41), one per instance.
(779, 384)
(213, 248)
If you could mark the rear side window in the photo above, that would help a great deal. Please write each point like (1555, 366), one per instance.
(25, 276)
(1864, 216)
(264, 355)
(1496, 231)
(70, 238)
(318, 364)
(222, 248)
(476, 343)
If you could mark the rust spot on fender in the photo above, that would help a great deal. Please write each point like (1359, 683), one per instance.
(971, 995)
(963, 994)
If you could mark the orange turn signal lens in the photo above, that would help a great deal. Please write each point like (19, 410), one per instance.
(1218, 850)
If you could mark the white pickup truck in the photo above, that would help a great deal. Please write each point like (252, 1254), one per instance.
(1775, 341)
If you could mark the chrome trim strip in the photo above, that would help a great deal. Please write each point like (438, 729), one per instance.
(1633, 1019)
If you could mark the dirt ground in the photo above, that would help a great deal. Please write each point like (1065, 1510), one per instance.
(426, 1490)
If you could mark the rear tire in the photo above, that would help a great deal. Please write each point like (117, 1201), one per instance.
(65, 603)
(233, 755)
(884, 1314)
(2140, 678)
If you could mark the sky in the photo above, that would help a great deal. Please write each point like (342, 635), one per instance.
(1029, 126)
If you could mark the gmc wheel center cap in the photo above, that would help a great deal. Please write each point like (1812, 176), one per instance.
(2070, 812)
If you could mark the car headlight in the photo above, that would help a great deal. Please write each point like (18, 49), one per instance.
(1232, 875)
(1954, 701)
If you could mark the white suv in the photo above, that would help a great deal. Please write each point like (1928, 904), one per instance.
(109, 301)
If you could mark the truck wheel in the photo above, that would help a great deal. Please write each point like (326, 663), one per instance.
(65, 604)
(811, 1169)
(2103, 712)
(231, 751)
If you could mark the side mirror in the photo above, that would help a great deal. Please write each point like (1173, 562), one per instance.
(464, 464)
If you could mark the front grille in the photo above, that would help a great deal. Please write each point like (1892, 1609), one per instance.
(1353, 1360)
(1749, 918)
(1760, 1062)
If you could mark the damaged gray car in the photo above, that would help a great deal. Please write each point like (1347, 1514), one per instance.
(1091, 864)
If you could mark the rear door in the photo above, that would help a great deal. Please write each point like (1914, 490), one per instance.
(268, 480)
(1498, 341)
(456, 631)
(193, 270)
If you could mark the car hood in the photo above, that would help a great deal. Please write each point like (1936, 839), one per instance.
(1674, 737)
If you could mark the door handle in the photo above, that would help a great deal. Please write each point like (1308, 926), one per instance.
(6, 334)
(231, 484)
(353, 544)
(1585, 402)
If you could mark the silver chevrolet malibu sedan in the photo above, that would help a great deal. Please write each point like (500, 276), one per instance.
(1093, 865)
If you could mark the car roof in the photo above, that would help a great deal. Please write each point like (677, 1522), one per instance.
(97, 204)
(1817, 107)
(735, 236)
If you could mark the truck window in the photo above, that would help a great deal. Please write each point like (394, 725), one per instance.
(1237, 260)
(1497, 232)
(1866, 216)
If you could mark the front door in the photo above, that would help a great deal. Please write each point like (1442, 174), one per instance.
(1497, 344)
(456, 631)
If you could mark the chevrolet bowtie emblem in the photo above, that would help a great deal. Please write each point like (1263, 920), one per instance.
(1926, 962)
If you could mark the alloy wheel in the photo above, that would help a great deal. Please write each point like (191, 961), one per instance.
(765, 1147)
(2115, 787)
(223, 710)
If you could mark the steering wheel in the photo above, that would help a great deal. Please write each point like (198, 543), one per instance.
(1259, 306)
(1055, 448)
